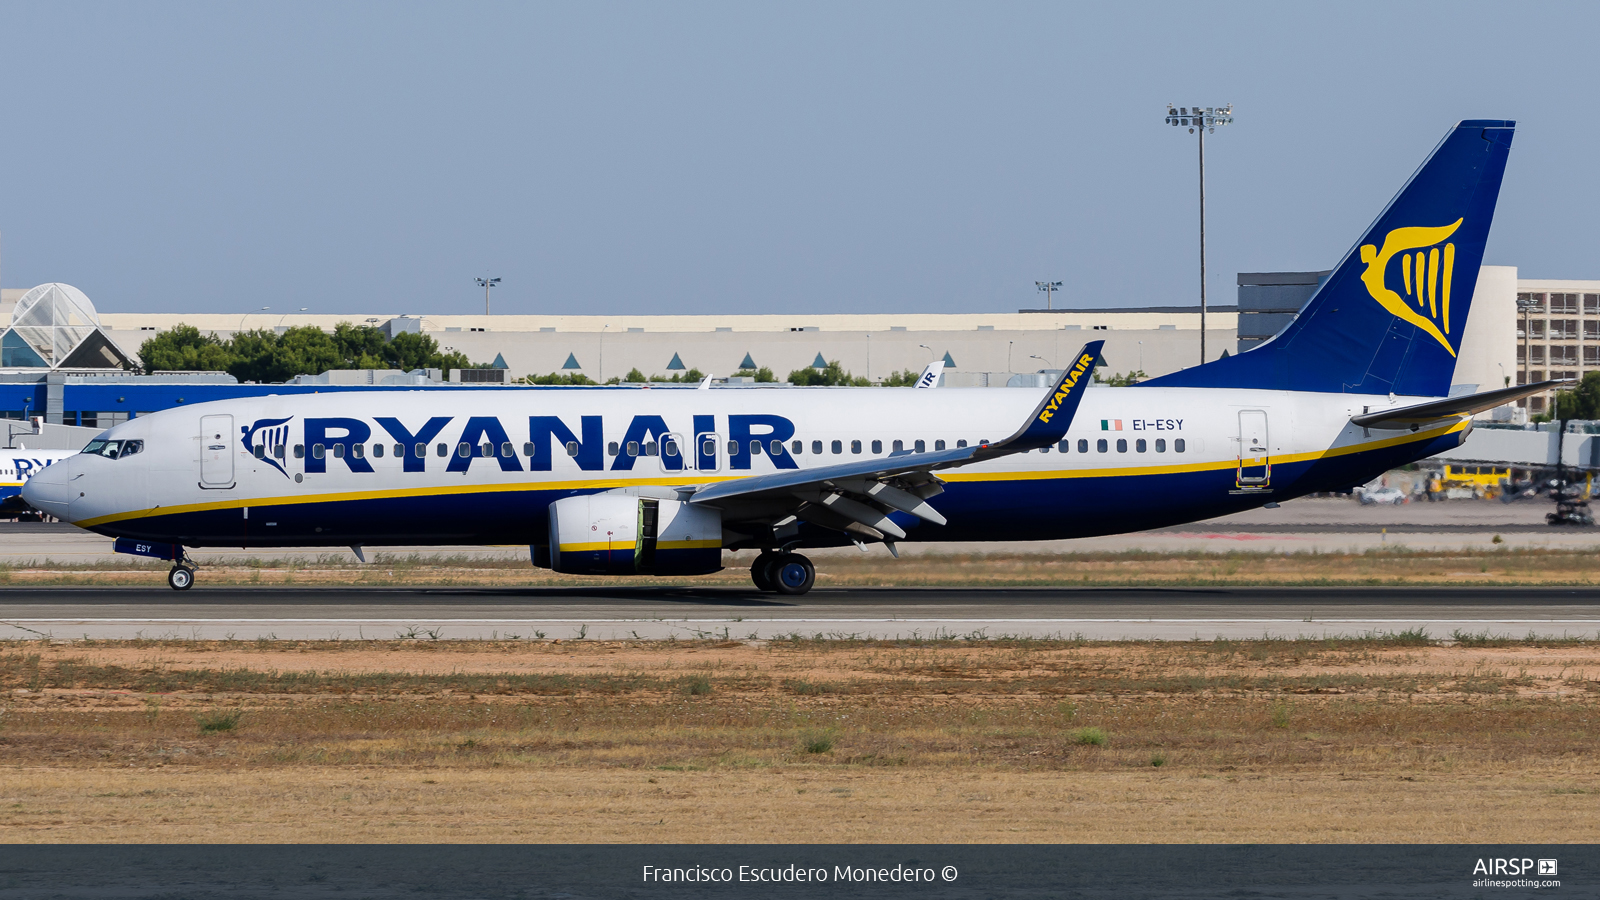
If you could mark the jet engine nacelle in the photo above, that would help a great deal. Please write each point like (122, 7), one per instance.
(622, 534)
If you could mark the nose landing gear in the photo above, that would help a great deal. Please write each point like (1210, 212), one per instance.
(784, 573)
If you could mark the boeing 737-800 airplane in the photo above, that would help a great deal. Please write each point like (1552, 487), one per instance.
(623, 480)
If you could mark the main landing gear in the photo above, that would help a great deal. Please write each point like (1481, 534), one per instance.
(783, 573)
(181, 578)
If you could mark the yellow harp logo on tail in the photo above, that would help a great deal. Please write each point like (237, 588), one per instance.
(1427, 274)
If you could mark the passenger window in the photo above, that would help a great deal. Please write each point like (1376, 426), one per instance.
(421, 450)
(318, 451)
(1064, 446)
(669, 447)
(299, 451)
(650, 448)
(338, 451)
(797, 447)
(838, 447)
(775, 448)
(899, 446)
(633, 448)
(920, 446)
(1122, 445)
(1100, 445)
(1161, 445)
(613, 448)
(261, 451)
(360, 450)
(877, 447)
(486, 450)
(463, 449)
(507, 450)
(1177, 445)
(960, 444)
(855, 446)
(938, 445)
(572, 448)
(709, 448)
(278, 451)
(1139, 445)
(441, 449)
(733, 448)
(527, 449)
(377, 451)
(755, 448)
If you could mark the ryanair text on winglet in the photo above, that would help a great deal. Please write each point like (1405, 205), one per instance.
(1085, 362)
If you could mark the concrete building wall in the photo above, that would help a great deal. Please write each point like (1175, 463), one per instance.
(872, 345)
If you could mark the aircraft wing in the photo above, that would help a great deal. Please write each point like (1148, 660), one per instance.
(857, 497)
(1450, 407)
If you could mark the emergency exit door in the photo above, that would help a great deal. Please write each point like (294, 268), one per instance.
(216, 451)
(1255, 460)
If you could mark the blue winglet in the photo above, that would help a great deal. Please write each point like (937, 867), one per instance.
(1053, 416)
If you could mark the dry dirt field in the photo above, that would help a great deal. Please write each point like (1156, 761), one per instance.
(1398, 739)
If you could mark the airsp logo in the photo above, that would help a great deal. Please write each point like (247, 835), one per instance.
(1513, 866)
(1426, 274)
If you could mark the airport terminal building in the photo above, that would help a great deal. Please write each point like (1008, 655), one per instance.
(70, 364)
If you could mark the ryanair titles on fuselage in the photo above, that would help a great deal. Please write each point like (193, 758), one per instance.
(339, 438)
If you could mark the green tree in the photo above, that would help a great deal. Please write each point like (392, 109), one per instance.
(692, 376)
(762, 375)
(1121, 380)
(361, 346)
(554, 378)
(902, 378)
(635, 376)
(1582, 402)
(185, 348)
(833, 375)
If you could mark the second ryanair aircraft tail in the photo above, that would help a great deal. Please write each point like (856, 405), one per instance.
(1390, 317)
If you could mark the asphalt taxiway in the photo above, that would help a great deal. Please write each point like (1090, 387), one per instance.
(1180, 613)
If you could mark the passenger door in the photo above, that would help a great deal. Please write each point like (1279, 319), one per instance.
(216, 452)
(1255, 460)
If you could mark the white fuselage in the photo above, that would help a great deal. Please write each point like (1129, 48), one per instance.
(212, 474)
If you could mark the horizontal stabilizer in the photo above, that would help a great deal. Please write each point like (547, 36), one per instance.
(1450, 407)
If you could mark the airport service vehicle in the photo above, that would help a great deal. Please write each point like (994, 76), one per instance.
(17, 465)
(642, 481)
(1385, 495)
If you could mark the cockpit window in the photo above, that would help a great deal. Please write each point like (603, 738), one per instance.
(113, 449)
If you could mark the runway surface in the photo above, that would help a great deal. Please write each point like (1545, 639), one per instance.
(660, 613)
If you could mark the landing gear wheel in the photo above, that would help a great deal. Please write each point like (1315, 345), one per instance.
(181, 578)
(761, 571)
(792, 574)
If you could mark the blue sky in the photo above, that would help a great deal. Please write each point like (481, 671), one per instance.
(753, 157)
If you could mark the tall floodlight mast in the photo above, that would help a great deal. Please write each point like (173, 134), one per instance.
(1527, 306)
(486, 284)
(1049, 287)
(1201, 121)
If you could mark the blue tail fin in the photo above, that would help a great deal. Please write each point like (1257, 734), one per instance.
(1389, 319)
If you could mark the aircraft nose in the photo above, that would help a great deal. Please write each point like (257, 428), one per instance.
(47, 489)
